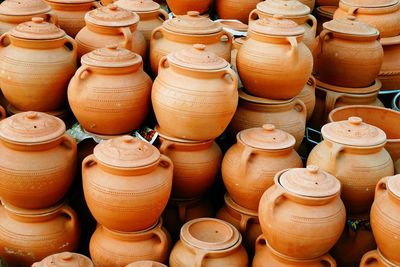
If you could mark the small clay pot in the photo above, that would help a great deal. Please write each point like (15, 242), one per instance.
(324, 14)
(146, 264)
(375, 258)
(235, 9)
(390, 72)
(181, 7)
(65, 259)
(307, 96)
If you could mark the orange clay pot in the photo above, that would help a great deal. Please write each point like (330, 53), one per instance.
(65, 259)
(146, 264)
(38, 160)
(249, 166)
(114, 248)
(181, 7)
(324, 14)
(307, 96)
(362, 145)
(126, 183)
(390, 72)
(116, 75)
(28, 236)
(295, 213)
(235, 9)
(51, 57)
(375, 258)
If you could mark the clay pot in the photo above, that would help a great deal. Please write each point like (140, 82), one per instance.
(208, 242)
(307, 96)
(198, 91)
(146, 264)
(183, 32)
(14, 12)
(236, 45)
(375, 259)
(114, 248)
(140, 188)
(361, 144)
(273, 57)
(245, 220)
(293, 10)
(38, 160)
(324, 14)
(249, 166)
(327, 2)
(65, 259)
(383, 15)
(347, 54)
(309, 3)
(235, 9)
(288, 115)
(28, 236)
(109, 25)
(196, 164)
(51, 57)
(181, 7)
(115, 74)
(390, 72)
(266, 256)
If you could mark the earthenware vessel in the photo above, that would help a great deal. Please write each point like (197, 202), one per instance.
(126, 183)
(236, 44)
(197, 90)
(208, 242)
(146, 264)
(51, 57)
(65, 259)
(183, 32)
(38, 160)
(327, 2)
(249, 166)
(390, 71)
(235, 9)
(324, 14)
(307, 96)
(109, 25)
(115, 74)
(28, 236)
(375, 258)
(361, 144)
(181, 7)
(309, 3)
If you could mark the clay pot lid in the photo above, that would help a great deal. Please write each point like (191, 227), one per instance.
(291, 8)
(326, 11)
(276, 26)
(71, 1)
(232, 204)
(350, 26)
(140, 6)
(353, 132)
(112, 16)
(165, 135)
(369, 3)
(197, 57)
(65, 259)
(111, 56)
(210, 234)
(309, 182)
(146, 264)
(267, 137)
(31, 128)
(193, 24)
(259, 100)
(126, 152)
(24, 7)
(393, 185)
(37, 29)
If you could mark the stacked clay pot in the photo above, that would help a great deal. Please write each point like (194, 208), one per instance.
(324, 14)
(235, 9)
(181, 7)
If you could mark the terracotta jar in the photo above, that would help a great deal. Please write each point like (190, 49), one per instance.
(146, 264)
(307, 96)
(274, 62)
(383, 15)
(245, 220)
(375, 258)
(110, 25)
(324, 14)
(28, 236)
(184, 31)
(38, 160)
(327, 2)
(309, 3)
(208, 242)
(361, 144)
(295, 213)
(236, 45)
(197, 90)
(266, 256)
(235, 9)
(249, 166)
(115, 248)
(347, 54)
(288, 115)
(65, 259)
(181, 7)
(196, 164)
(51, 57)
(293, 10)
(140, 188)
(390, 72)
(116, 75)
(14, 12)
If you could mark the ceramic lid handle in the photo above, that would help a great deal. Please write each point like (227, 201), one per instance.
(193, 13)
(38, 19)
(355, 120)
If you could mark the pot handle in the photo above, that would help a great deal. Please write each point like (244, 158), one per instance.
(299, 106)
(381, 187)
(127, 43)
(369, 258)
(88, 162)
(330, 101)
(329, 260)
(162, 64)
(163, 14)
(244, 159)
(2, 37)
(233, 75)
(323, 36)
(69, 142)
(260, 242)
(314, 23)
(154, 37)
(244, 220)
(273, 199)
(352, 10)
(294, 51)
(82, 72)
(312, 82)
(70, 40)
(165, 144)
(253, 15)
(199, 258)
(2, 113)
(160, 234)
(52, 18)
(228, 36)
(165, 162)
(334, 154)
(67, 210)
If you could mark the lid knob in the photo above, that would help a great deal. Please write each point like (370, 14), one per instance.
(278, 16)
(355, 120)
(112, 46)
(66, 256)
(193, 13)
(127, 139)
(32, 115)
(199, 47)
(112, 7)
(269, 127)
(37, 19)
(351, 17)
(312, 169)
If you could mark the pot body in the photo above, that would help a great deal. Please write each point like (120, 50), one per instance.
(375, 259)
(181, 7)
(8, 22)
(149, 21)
(307, 96)
(390, 72)
(235, 9)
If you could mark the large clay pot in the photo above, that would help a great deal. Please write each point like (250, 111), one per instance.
(36, 66)
(288, 115)
(383, 15)
(146, 264)
(249, 166)
(28, 236)
(65, 259)
(116, 75)
(375, 258)
(307, 96)
(266, 256)
(38, 160)
(196, 164)
(126, 183)
(390, 71)
(274, 62)
(235, 9)
(362, 145)
(324, 14)
(109, 25)
(208, 242)
(115, 248)
(293, 10)
(181, 7)
(197, 90)
(183, 32)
